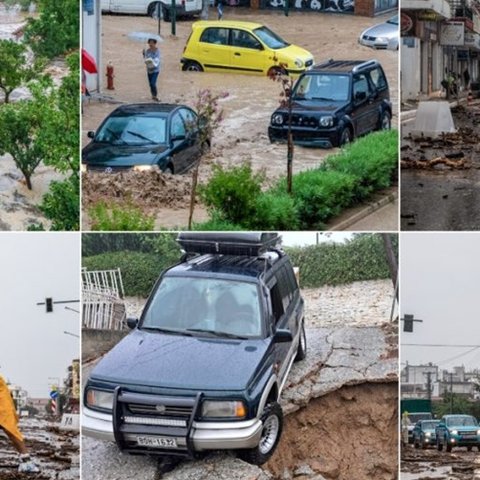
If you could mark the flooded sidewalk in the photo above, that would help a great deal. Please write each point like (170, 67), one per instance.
(55, 451)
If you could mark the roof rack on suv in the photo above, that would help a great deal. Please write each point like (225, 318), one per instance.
(361, 66)
(247, 244)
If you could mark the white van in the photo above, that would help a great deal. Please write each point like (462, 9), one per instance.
(149, 7)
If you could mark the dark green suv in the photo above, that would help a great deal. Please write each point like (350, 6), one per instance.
(205, 365)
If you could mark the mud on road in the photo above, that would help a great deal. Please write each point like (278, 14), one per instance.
(55, 451)
(430, 464)
(243, 134)
(444, 173)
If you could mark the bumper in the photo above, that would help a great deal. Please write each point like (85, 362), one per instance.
(325, 138)
(381, 45)
(464, 441)
(205, 435)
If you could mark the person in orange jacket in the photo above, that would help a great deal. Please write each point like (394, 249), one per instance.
(9, 424)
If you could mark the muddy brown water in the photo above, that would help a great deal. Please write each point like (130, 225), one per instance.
(443, 198)
(252, 99)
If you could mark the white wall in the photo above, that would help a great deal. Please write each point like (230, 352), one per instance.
(410, 68)
(91, 42)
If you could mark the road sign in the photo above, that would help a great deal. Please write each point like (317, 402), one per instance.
(54, 394)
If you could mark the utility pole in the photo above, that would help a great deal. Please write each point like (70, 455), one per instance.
(429, 386)
(451, 393)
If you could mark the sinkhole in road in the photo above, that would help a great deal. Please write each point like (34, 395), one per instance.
(349, 433)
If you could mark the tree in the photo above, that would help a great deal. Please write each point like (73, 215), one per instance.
(23, 134)
(56, 30)
(15, 67)
(209, 117)
(279, 74)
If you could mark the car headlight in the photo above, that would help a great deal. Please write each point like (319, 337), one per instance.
(428, 434)
(454, 432)
(326, 121)
(99, 399)
(299, 63)
(277, 119)
(223, 409)
(478, 432)
(142, 168)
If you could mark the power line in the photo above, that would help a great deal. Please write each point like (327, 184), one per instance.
(437, 345)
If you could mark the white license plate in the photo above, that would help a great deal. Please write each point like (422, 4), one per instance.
(159, 442)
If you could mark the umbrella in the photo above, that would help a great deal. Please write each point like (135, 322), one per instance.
(144, 36)
(88, 62)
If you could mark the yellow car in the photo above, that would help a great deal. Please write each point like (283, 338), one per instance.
(243, 47)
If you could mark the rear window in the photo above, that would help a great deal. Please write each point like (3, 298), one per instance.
(216, 36)
(378, 78)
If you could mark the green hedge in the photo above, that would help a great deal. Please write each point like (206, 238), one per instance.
(362, 258)
(139, 270)
(234, 195)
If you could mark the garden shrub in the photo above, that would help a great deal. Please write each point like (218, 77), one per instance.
(124, 217)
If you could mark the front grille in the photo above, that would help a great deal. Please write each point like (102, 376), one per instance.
(96, 168)
(165, 410)
(304, 121)
(468, 433)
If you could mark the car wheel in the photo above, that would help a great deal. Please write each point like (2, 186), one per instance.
(168, 169)
(272, 420)
(424, 446)
(152, 9)
(192, 66)
(448, 446)
(302, 345)
(166, 13)
(385, 121)
(345, 137)
(439, 445)
(274, 71)
(415, 443)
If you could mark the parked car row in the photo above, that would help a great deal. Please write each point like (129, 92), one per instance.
(449, 432)
(332, 103)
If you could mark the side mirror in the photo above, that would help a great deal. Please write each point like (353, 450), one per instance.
(91, 134)
(360, 96)
(282, 335)
(132, 322)
(175, 138)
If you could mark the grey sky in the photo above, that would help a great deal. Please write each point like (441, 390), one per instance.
(33, 346)
(291, 239)
(440, 284)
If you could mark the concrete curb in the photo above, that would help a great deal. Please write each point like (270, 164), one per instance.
(369, 209)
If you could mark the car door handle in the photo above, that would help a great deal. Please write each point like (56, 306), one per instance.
(237, 54)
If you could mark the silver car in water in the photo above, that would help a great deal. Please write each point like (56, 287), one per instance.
(383, 35)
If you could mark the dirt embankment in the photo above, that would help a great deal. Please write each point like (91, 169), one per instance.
(348, 434)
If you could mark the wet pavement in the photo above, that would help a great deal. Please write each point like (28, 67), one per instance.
(440, 179)
(55, 451)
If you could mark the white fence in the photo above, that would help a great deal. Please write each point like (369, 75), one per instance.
(103, 306)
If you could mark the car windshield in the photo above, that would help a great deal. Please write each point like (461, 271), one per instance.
(133, 130)
(461, 421)
(429, 425)
(393, 20)
(204, 306)
(333, 88)
(270, 39)
(415, 417)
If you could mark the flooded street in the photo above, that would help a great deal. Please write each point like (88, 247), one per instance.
(452, 180)
(252, 99)
(460, 464)
(55, 451)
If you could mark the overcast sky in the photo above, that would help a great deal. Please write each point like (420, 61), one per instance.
(440, 284)
(291, 239)
(33, 345)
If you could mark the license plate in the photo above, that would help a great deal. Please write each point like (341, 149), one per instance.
(159, 442)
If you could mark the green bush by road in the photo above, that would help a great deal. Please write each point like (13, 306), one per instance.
(234, 195)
